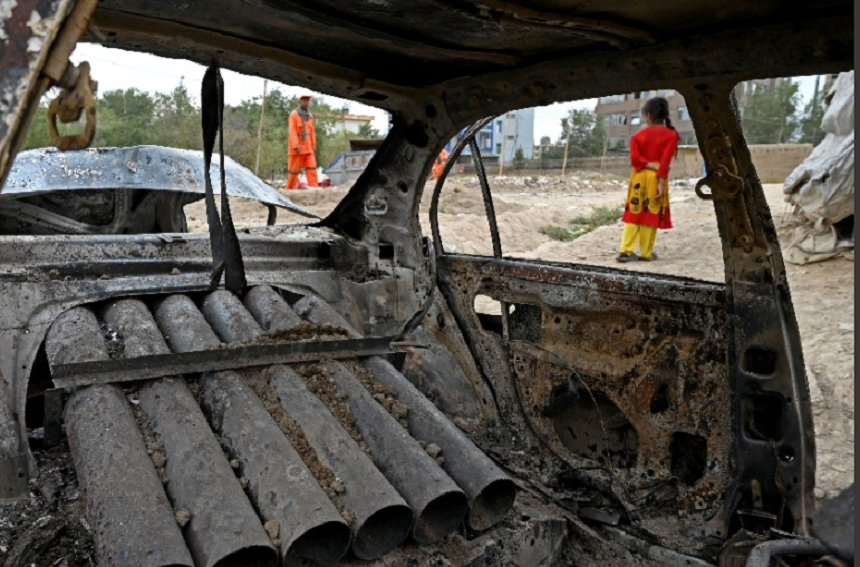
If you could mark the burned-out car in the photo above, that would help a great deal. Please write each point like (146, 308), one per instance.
(139, 190)
(328, 393)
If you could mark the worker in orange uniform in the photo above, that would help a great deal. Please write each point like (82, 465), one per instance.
(439, 164)
(302, 145)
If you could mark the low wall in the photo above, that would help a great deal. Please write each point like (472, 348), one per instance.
(773, 162)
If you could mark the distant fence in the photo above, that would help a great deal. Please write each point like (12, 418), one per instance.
(773, 163)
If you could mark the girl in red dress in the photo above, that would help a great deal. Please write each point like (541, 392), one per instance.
(647, 207)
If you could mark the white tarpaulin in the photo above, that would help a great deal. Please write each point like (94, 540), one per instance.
(822, 187)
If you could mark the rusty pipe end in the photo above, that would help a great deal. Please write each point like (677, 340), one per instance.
(492, 504)
(441, 517)
(383, 531)
(251, 556)
(321, 546)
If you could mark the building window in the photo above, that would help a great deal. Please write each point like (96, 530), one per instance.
(617, 142)
(498, 149)
(683, 113)
(499, 126)
(612, 98)
(688, 139)
(636, 119)
(616, 119)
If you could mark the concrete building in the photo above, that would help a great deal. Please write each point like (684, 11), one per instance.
(622, 116)
(507, 133)
(352, 123)
(622, 113)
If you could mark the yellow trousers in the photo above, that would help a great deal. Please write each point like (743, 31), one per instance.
(645, 235)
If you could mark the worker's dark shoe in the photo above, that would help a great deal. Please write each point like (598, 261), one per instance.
(650, 258)
(623, 258)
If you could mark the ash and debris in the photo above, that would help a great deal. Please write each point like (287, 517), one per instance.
(363, 274)
(318, 381)
(387, 398)
(49, 527)
(333, 487)
(154, 448)
(114, 341)
(304, 332)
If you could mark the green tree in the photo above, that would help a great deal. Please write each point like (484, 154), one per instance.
(124, 118)
(586, 133)
(519, 159)
(368, 131)
(177, 120)
(810, 122)
(770, 115)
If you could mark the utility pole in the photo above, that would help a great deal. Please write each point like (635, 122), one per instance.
(605, 148)
(566, 146)
(504, 145)
(260, 129)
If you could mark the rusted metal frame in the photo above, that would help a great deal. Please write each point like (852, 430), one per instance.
(22, 82)
(490, 211)
(386, 36)
(157, 365)
(782, 49)
(458, 148)
(604, 280)
(762, 317)
(125, 23)
(605, 30)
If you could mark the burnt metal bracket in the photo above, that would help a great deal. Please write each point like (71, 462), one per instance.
(159, 365)
(722, 178)
(53, 430)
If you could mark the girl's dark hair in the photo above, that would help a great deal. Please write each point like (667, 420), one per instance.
(658, 109)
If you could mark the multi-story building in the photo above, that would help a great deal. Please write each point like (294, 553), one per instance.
(622, 116)
(507, 133)
(351, 123)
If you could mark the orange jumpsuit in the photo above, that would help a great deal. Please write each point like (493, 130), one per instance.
(439, 164)
(300, 153)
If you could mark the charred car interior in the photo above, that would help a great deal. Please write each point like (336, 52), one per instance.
(327, 393)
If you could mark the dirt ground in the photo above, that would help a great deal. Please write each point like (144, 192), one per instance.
(823, 293)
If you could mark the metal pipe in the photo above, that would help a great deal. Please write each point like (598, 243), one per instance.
(761, 554)
(182, 325)
(224, 529)
(279, 483)
(132, 519)
(439, 505)
(491, 493)
(229, 318)
(270, 309)
(382, 520)
(317, 311)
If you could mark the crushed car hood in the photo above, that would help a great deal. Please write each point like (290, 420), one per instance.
(153, 168)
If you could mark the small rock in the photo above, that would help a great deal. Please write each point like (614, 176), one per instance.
(379, 398)
(433, 450)
(105, 277)
(347, 517)
(423, 444)
(440, 461)
(399, 410)
(183, 516)
(175, 272)
(273, 528)
(337, 486)
(54, 275)
(244, 482)
(158, 459)
(235, 464)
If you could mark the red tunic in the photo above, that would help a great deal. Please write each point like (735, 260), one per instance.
(655, 144)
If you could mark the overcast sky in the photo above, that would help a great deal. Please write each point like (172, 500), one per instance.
(117, 69)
